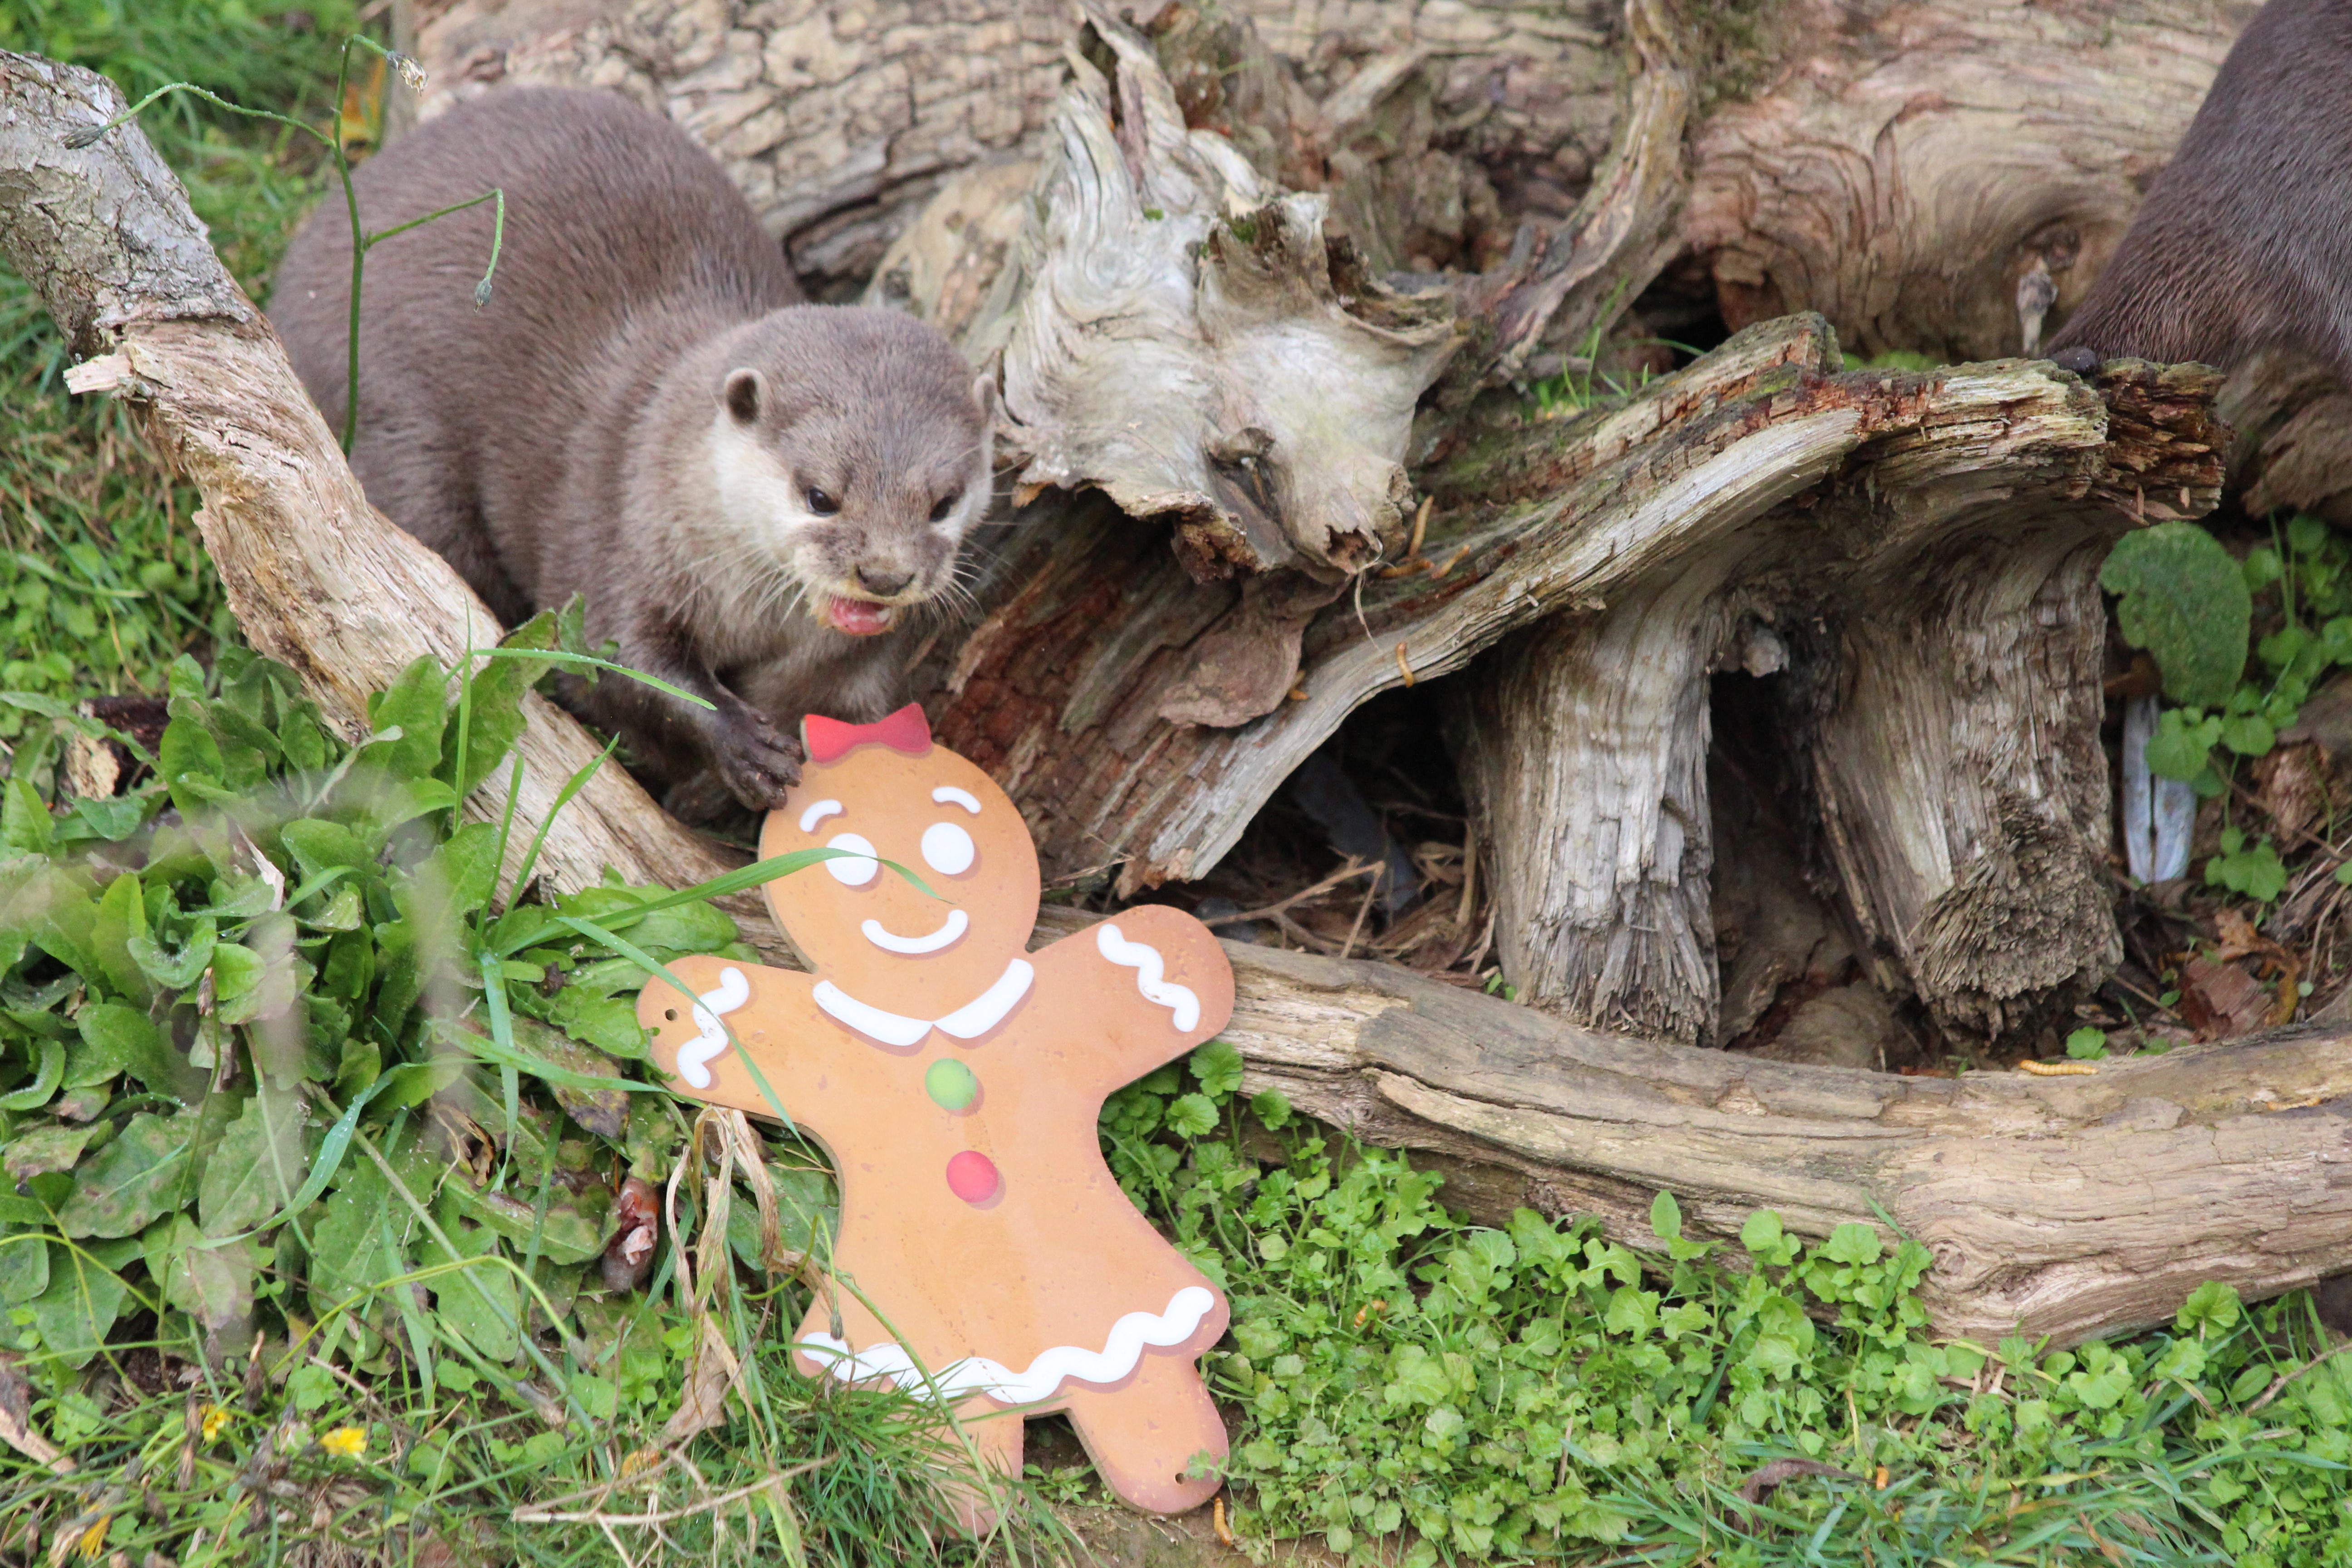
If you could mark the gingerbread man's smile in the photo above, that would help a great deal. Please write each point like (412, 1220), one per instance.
(891, 941)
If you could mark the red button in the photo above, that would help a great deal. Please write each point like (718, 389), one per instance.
(972, 1176)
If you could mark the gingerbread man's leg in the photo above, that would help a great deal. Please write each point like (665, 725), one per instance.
(996, 1436)
(1144, 1434)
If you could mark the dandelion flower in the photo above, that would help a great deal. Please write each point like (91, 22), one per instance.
(345, 1442)
(215, 1419)
(93, 1540)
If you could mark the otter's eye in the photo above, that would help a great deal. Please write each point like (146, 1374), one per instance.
(947, 504)
(822, 501)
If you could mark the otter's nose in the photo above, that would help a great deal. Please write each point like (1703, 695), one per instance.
(880, 583)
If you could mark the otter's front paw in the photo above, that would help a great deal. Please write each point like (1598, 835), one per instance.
(756, 762)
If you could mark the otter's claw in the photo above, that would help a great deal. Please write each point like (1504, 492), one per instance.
(754, 760)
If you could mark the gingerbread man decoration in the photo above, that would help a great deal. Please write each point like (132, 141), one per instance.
(956, 1081)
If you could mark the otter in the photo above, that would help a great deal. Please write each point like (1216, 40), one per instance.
(757, 495)
(2245, 240)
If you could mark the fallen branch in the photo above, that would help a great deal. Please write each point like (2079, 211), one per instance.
(2069, 1207)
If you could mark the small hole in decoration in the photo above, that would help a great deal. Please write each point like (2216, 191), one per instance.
(669, 1014)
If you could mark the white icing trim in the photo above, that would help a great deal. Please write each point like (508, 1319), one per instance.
(888, 941)
(732, 993)
(1144, 959)
(948, 795)
(978, 1374)
(890, 1028)
(987, 1010)
(968, 1022)
(818, 812)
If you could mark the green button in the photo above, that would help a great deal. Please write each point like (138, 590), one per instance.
(951, 1084)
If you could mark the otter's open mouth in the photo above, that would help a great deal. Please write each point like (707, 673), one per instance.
(856, 617)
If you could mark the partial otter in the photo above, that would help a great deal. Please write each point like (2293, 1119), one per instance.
(2245, 240)
(753, 494)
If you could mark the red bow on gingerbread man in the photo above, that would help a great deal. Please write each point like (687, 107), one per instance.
(956, 1081)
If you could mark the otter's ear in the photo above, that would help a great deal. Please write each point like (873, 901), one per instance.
(984, 394)
(745, 390)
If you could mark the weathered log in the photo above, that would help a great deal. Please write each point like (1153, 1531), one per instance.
(2066, 1206)
(317, 578)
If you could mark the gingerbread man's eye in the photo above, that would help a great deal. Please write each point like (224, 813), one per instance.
(851, 873)
(947, 849)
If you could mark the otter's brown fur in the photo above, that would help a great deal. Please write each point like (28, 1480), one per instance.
(645, 413)
(2245, 240)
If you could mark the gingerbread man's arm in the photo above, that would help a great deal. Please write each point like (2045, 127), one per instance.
(768, 1011)
(1137, 991)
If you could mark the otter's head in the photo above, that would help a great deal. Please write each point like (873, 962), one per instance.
(850, 449)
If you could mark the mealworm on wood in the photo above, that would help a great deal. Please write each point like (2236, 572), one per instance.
(1402, 667)
(2058, 1069)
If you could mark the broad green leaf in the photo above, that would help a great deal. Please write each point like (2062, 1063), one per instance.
(187, 756)
(258, 1165)
(180, 970)
(1665, 1218)
(2185, 600)
(1193, 1115)
(115, 1038)
(605, 1112)
(111, 821)
(237, 974)
(139, 1175)
(482, 1302)
(458, 878)
(320, 847)
(414, 705)
(212, 1284)
(574, 1229)
(1632, 1310)
(1271, 1108)
(25, 821)
(24, 1267)
(48, 1071)
(122, 915)
(1218, 1066)
(2249, 735)
(1853, 1243)
(608, 1022)
(84, 1295)
(2212, 1305)
(31, 1151)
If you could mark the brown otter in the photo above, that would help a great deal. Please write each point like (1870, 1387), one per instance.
(2245, 240)
(752, 492)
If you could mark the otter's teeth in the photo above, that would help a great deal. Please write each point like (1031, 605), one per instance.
(857, 617)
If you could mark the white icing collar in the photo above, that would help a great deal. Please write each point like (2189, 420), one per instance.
(968, 1022)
